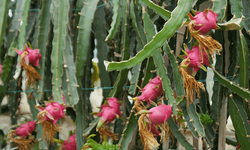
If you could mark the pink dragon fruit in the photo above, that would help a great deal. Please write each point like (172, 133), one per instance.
(33, 56)
(109, 111)
(152, 90)
(1, 69)
(54, 110)
(160, 114)
(196, 61)
(204, 21)
(26, 129)
(70, 144)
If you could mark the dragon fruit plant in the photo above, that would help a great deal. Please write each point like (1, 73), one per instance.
(47, 53)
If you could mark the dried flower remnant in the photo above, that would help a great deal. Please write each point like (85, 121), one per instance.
(30, 58)
(105, 133)
(153, 129)
(48, 116)
(199, 25)
(148, 138)
(22, 136)
(189, 82)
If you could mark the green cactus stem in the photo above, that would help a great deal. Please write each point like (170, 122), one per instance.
(115, 19)
(42, 42)
(168, 30)
(4, 8)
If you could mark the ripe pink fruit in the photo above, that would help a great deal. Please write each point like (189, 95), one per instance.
(160, 114)
(26, 129)
(54, 110)
(205, 21)
(70, 144)
(33, 56)
(113, 102)
(109, 111)
(152, 90)
(196, 61)
(1, 69)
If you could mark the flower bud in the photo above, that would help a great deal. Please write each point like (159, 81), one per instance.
(26, 129)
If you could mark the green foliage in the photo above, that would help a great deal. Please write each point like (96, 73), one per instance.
(205, 119)
(94, 145)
